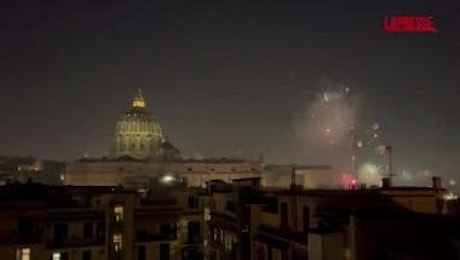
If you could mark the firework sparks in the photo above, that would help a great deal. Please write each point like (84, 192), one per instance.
(370, 174)
(375, 126)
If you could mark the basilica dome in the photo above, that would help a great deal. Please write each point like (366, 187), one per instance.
(138, 134)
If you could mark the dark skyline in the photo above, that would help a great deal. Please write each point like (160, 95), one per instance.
(226, 78)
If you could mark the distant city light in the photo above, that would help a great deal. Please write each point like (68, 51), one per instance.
(348, 181)
(167, 179)
(405, 175)
(450, 196)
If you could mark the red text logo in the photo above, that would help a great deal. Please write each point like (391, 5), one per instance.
(409, 24)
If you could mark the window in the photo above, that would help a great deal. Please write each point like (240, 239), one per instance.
(230, 206)
(193, 232)
(118, 211)
(60, 256)
(60, 232)
(284, 215)
(86, 255)
(228, 242)
(207, 214)
(164, 251)
(193, 202)
(117, 242)
(100, 231)
(23, 254)
(141, 254)
(260, 253)
(306, 218)
(215, 235)
(88, 230)
(166, 230)
(56, 256)
(25, 227)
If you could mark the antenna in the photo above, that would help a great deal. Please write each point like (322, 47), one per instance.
(389, 150)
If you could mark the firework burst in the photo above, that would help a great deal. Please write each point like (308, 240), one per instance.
(336, 134)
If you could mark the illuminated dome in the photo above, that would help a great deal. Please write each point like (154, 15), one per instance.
(138, 134)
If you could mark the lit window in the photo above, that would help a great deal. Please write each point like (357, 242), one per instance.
(56, 256)
(118, 211)
(23, 254)
(215, 235)
(117, 242)
(228, 242)
(207, 214)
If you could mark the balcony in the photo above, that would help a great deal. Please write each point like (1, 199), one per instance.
(74, 242)
(15, 238)
(146, 237)
(196, 240)
(283, 234)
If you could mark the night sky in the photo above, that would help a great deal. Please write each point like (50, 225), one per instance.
(226, 78)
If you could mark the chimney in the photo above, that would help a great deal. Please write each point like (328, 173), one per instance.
(437, 183)
(386, 182)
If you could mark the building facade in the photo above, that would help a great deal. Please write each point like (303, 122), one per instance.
(134, 173)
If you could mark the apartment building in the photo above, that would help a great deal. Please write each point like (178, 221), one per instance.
(91, 223)
(238, 221)
(384, 223)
